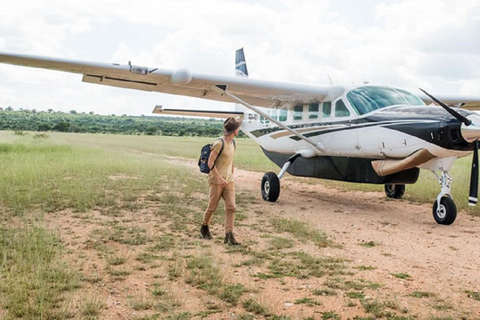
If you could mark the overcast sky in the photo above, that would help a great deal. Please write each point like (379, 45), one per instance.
(433, 44)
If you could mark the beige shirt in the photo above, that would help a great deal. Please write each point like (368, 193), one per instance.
(224, 162)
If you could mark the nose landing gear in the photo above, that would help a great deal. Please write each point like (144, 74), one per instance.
(444, 209)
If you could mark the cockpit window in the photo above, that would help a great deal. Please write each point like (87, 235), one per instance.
(368, 99)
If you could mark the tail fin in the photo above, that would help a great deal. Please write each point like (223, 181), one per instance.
(240, 64)
(241, 71)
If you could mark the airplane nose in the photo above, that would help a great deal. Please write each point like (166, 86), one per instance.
(471, 132)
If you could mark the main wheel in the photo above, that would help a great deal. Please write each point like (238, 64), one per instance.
(395, 191)
(270, 187)
(446, 213)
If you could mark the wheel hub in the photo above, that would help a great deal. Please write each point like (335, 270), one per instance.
(266, 187)
(441, 211)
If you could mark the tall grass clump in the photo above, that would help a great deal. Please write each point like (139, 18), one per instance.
(33, 279)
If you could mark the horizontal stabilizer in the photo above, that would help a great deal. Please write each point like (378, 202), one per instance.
(197, 113)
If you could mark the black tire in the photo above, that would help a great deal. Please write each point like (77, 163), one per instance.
(395, 191)
(270, 187)
(446, 213)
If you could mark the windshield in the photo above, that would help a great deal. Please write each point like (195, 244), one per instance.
(368, 99)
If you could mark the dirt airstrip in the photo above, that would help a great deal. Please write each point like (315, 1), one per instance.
(421, 270)
(444, 260)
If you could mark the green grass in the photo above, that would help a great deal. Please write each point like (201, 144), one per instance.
(91, 308)
(33, 277)
(232, 293)
(204, 273)
(422, 294)
(303, 266)
(52, 176)
(300, 230)
(369, 244)
(253, 306)
(330, 315)
(402, 275)
(473, 294)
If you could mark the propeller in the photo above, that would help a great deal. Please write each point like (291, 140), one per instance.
(473, 194)
(454, 113)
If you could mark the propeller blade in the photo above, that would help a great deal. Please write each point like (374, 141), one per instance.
(454, 113)
(472, 199)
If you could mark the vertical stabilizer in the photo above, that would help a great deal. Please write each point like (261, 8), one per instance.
(240, 64)
(241, 71)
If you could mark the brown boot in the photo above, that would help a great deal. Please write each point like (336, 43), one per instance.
(230, 239)
(205, 232)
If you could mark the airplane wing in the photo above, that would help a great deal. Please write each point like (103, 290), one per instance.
(181, 82)
(197, 113)
(469, 103)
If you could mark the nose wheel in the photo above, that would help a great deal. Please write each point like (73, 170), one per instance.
(444, 209)
(446, 212)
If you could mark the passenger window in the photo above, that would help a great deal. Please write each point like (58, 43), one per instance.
(283, 115)
(264, 120)
(274, 114)
(327, 109)
(298, 112)
(313, 111)
(341, 109)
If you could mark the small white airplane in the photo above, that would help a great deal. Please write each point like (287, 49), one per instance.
(364, 134)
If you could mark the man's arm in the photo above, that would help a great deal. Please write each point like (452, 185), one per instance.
(211, 163)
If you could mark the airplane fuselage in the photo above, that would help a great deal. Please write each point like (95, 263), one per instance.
(349, 144)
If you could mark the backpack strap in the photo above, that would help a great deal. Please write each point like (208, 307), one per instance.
(221, 149)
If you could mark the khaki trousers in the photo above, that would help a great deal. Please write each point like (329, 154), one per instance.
(217, 191)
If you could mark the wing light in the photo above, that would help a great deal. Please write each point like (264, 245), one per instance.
(181, 77)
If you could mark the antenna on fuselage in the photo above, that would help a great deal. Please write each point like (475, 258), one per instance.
(330, 79)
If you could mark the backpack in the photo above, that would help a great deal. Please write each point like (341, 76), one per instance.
(205, 154)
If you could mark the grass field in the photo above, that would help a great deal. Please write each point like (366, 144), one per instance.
(111, 182)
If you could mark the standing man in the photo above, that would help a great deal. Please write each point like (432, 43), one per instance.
(220, 180)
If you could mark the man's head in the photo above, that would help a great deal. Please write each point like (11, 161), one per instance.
(231, 124)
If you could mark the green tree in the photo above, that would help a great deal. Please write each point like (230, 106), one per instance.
(61, 126)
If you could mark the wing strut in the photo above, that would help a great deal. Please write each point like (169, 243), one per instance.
(222, 90)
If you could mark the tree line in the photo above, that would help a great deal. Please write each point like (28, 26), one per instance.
(32, 120)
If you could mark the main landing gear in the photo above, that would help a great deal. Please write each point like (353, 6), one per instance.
(271, 182)
(395, 191)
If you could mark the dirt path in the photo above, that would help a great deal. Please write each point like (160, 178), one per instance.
(421, 270)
